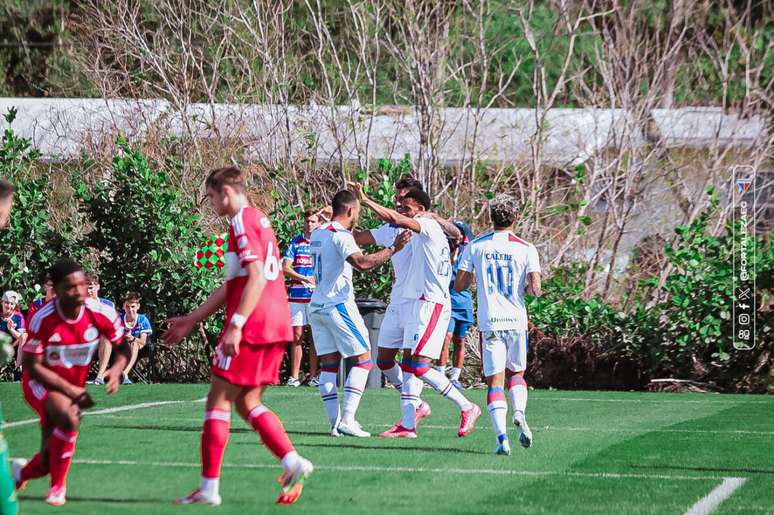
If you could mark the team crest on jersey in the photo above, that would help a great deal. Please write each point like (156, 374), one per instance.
(416, 337)
(265, 223)
(90, 334)
(242, 241)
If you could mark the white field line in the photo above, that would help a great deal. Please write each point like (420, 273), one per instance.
(356, 468)
(720, 493)
(106, 411)
(537, 429)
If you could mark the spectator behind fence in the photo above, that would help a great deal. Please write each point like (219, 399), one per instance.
(12, 323)
(105, 347)
(137, 328)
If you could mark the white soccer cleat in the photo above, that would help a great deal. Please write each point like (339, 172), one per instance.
(335, 432)
(503, 448)
(199, 497)
(292, 481)
(56, 496)
(292, 381)
(352, 428)
(525, 435)
(16, 467)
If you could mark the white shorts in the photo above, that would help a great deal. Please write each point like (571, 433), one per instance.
(299, 313)
(504, 349)
(393, 325)
(338, 328)
(426, 324)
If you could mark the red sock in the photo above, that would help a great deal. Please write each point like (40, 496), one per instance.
(214, 440)
(271, 431)
(61, 447)
(35, 468)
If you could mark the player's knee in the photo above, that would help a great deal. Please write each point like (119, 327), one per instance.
(421, 368)
(385, 364)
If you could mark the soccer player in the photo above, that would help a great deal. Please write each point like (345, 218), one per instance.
(252, 344)
(428, 289)
(298, 266)
(505, 267)
(337, 327)
(64, 336)
(462, 310)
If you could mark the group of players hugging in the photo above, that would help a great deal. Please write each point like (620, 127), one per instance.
(66, 332)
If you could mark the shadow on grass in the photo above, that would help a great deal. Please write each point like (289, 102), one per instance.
(704, 469)
(112, 500)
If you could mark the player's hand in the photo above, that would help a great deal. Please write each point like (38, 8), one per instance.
(113, 378)
(357, 189)
(402, 240)
(10, 323)
(231, 341)
(326, 212)
(310, 280)
(75, 391)
(177, 329)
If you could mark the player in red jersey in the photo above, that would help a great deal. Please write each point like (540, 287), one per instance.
(251, 347)
(64, 336)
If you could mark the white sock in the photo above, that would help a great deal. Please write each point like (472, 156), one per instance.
(394, 375)
(518, 393)
(290, 460)
(442, 385)
(455, 374)
(353, 389)
(330, 395)
(409, 399)
(209, 486)
(498, 410)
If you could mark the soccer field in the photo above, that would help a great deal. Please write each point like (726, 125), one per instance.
(594, 452)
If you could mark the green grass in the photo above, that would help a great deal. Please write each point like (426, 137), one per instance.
(595, 452)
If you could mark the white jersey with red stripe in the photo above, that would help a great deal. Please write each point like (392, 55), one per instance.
(68, 346)
(430, 270)
(384, 236)
(331, 245)
(501, 261)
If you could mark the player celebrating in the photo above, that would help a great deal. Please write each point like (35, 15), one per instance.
(505, 266)
(337, 327)
(64, 335)
(428, 289)
(251, 347)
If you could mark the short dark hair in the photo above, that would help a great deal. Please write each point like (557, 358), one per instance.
(226, 176)
(310, 213)
(408, 182)
(6, 189)
(502, 210)
(92, 277)
(420, 196)
(342, 201)
(63, 268)
(132, 296)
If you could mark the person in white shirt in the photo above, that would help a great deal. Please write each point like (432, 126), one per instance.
(337, 326)
(427, 288)
(505, 268)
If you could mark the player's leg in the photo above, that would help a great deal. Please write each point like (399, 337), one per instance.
(329, 358)
(443, 360)
(65, 417)
(37, 466)
(296, 355)
(493, 359)
(135, 348)
(104, 352)
(273, 435)
(516, 364)
(389, 343)
(458, 354)
(314, 369)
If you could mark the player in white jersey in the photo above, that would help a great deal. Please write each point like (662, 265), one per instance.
(393, 324)
(427, 288)
(505, 267)
(337, 326)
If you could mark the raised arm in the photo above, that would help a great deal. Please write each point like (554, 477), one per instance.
(366, 262)
(385, 213)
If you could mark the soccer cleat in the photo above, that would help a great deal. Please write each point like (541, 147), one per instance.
(352, 428)
(292, 381)
(16, 466)
(199, 497)
(457, 384)
(56, 496)
(126, 380)
(468, 420)
(422, 411)
(292, 481)
(503, 448)
(315, 381)
(98, 380)
(335, 432)
(525, 435)
(398, 431)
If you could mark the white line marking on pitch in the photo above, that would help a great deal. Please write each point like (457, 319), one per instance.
(720, 493)
(356, 468)
(105, 411)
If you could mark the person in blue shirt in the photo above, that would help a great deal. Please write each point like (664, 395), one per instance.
(137, 329)
(298, 265)
(105, 347)
(462, 311)
(12, 324)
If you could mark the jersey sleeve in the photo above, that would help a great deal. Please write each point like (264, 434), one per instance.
(248, 236)
(290, 252)
(384, 235)
(145, 325)
(465, 262)
(345, 244)
(34, 344)
(427, 226)
(533, 263)
(110, 325)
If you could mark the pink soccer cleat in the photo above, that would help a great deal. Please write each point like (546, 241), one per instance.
(398, 431)
(423, 410)
(199, 497)
(468, 420)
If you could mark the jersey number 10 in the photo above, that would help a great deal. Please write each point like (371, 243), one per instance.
(500, 278)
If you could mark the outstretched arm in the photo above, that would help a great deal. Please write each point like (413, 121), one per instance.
(385, 213)
(366, 262)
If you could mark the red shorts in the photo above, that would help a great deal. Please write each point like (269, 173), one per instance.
(35, 395)
(255, 365)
